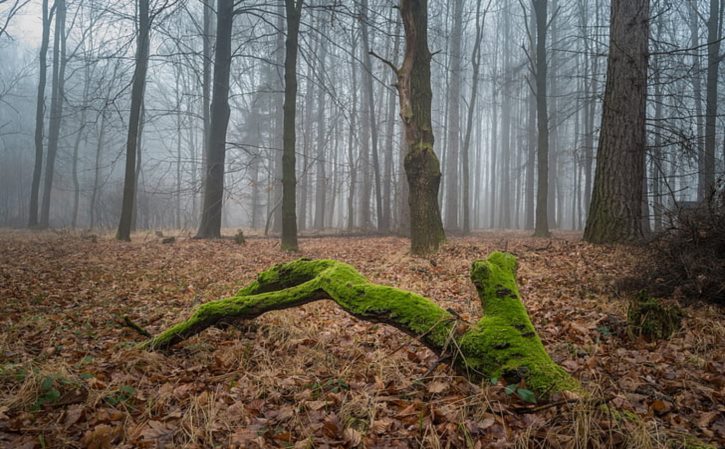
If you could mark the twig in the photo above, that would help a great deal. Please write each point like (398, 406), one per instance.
(128, 323)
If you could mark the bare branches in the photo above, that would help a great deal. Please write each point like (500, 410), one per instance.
(12, 11)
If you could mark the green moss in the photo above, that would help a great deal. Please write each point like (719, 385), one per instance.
(689, 442)
(504, 343)
(650, 318)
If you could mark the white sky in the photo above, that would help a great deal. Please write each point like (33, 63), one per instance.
(26, 27)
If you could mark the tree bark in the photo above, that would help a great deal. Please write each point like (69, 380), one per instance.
(134, 122)
(713, 63)
(421, 164)
(542, 117)
(211, 215)
(289, 180)
(465, 151)
(40, 117)
(502, 344)
(56, 109)
(615, 214)
(320, 169)
(454, 120)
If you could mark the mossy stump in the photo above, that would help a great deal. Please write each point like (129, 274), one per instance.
(503, 344)
(650, 318)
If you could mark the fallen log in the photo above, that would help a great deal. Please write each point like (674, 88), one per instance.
(503, 344)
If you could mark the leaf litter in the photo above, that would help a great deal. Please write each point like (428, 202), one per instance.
(314, 377)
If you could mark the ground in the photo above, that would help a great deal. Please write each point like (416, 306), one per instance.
(72, 376)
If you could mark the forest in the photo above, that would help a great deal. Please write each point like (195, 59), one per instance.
(362, 224)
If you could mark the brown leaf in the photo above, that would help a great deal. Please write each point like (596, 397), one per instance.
(352, 437)
(100, 437)
(437, 387)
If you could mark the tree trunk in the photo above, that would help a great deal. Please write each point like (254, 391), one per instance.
(454, 120)
(137, 93)
(40, 117)
(697, 93)
(320, 172)
(387, 218)
(615, 214)
(289, 180)
(56, 109)
(502, 344)
(211, 215)
(713, 63)
(465, 151)
(206, 87)
(421, 164)
(542, 118)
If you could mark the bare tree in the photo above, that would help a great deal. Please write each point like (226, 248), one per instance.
(421, 164)
(134, 121)
(40, 116)
(56, 109)
(211, 216)
(542, 119)
(293, 9)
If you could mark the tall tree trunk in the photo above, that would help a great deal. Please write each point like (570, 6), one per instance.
(211, 211)
(615, 214)
(351, 139)
(177, 194)
(713, 63)
(97, 171)
(504, 175)
(697, 93)
(289, 181)
(421, 164)
(206, 86)
(320, 172)
(465, 151)
(542, 118)
(56, 109)
(137, 93)
(370, 124)
(454, 119)
(80, 136)
(387, 217)
(40, 117)
(277, 139)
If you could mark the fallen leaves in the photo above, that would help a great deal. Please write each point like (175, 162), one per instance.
(313, 376)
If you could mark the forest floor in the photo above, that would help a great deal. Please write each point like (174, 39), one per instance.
(314, 377)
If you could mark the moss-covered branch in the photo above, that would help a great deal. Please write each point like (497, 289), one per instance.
(503, 344)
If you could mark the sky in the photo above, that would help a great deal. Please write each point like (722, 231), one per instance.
(26, 27)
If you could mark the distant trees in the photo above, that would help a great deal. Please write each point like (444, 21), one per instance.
(134, 121)
(615, 214)
(509, 144)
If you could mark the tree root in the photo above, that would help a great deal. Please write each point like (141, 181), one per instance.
(503, 344)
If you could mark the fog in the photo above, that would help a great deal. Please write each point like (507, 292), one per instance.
(350, 141)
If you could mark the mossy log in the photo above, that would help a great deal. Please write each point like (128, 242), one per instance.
(502, 344)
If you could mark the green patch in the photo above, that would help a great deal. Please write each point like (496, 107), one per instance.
(650, 318)
(122, 395)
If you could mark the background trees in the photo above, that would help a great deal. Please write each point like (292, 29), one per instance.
(485, 113)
